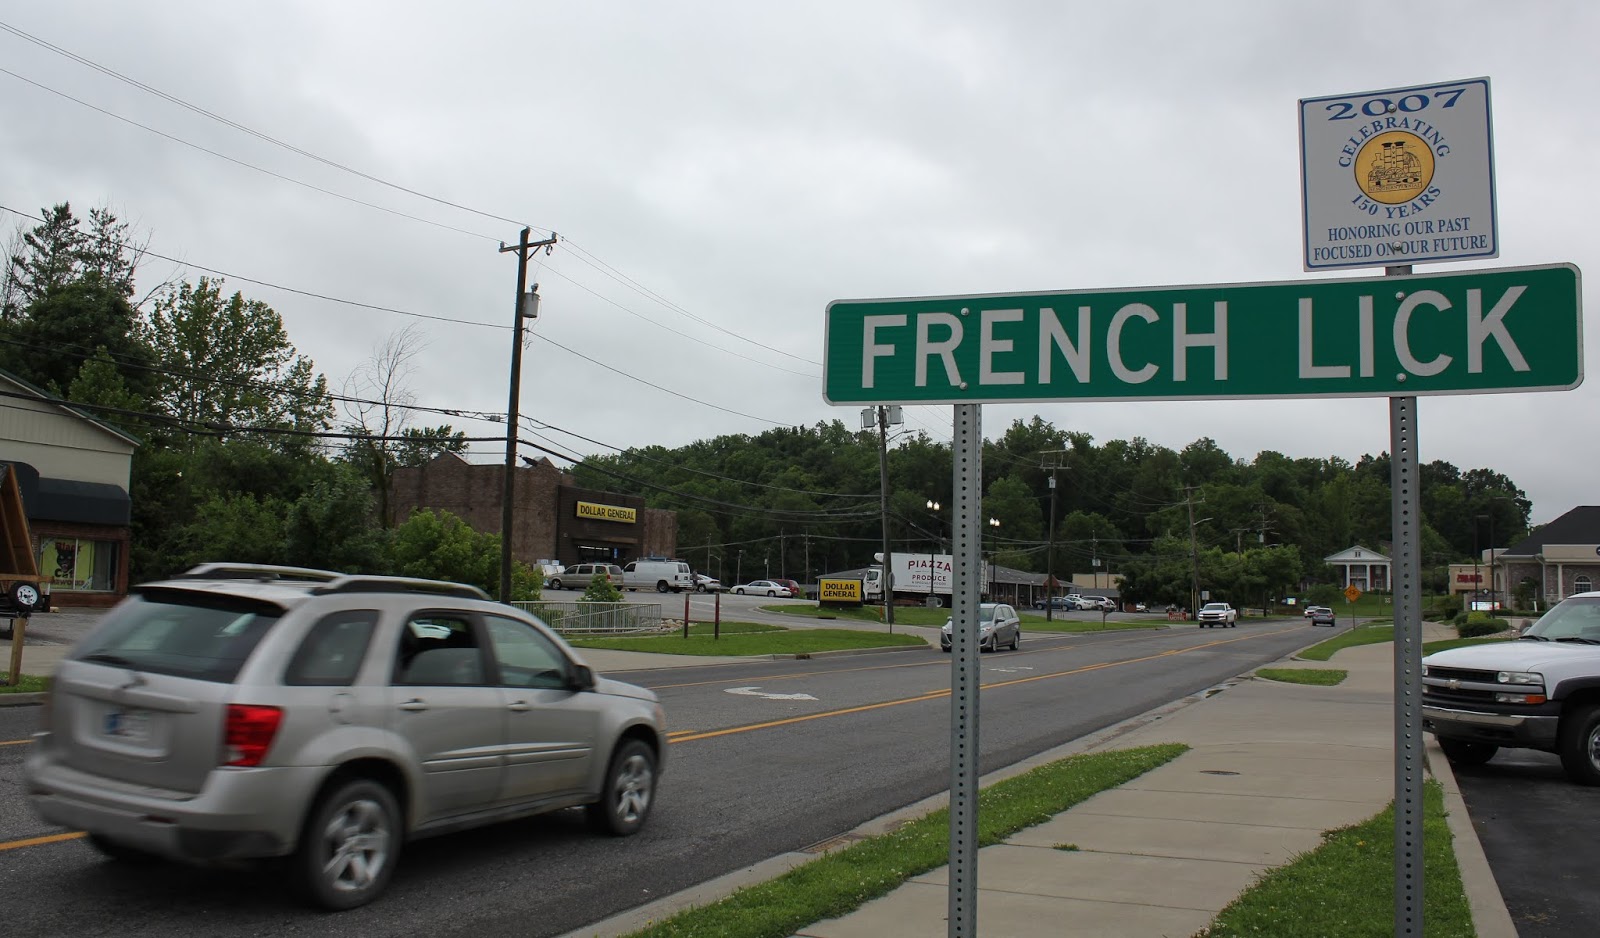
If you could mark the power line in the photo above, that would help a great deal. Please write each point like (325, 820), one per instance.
(266, 138)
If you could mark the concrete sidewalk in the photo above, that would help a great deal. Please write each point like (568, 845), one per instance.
(1271, 766)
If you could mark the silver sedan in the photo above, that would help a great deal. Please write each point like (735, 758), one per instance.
(998, 625)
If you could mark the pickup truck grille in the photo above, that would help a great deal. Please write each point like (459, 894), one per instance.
(1467, 687)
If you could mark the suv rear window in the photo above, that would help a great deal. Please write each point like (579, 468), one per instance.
(182, 634)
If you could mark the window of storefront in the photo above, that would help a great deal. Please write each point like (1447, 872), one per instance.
(78, 564)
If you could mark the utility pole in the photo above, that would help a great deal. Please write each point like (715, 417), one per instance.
(1050, 553)
(885, 416)
(1194, 555)
(527, 307)
(1050, 556)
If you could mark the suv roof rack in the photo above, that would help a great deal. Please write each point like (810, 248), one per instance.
(364, 583)
(254, 571)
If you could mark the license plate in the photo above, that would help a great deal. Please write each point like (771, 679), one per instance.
(130, 725)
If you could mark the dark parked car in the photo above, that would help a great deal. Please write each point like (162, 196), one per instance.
(1056, 602)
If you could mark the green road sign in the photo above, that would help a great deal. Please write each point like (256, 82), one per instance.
(1512, 329)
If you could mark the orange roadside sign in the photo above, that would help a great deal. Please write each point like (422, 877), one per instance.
(1352, 593)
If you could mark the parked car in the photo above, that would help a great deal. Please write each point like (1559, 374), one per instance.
(795, 589)
(1141, 607)
(1056, 602)
(998, 624)
(578, 575)
(1218, 615)
(246, 712)
(707, 584)
(1088, 602)
(1534, 692)
(767, 587)
(1322, 615)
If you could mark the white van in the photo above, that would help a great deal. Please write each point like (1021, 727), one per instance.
(659, 575)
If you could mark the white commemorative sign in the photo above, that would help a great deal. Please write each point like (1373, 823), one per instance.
(1404, 176)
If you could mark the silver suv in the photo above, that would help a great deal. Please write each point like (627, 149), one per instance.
(243, 711)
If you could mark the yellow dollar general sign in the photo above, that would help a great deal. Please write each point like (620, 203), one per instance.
(606, 512)
(839, 591)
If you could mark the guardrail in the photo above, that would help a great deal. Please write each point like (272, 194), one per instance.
(591, 618)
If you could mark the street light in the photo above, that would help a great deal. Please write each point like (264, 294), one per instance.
(993, 597)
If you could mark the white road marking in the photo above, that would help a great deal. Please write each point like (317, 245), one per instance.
(756, 692)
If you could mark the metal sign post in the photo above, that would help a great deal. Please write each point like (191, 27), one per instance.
(966, 485)
(1406, 524)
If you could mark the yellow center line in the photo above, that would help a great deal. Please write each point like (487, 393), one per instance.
(935, 695)
(15, 742)
(39, 841)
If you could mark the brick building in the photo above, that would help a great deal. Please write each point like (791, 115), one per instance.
(1559, 559)
(552, 517)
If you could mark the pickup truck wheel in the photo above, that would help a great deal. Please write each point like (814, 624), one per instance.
(1580, 744)
(1464, 752)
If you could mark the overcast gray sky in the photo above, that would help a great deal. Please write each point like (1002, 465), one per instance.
(720, 171)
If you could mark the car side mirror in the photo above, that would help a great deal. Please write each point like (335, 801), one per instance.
(582, 677)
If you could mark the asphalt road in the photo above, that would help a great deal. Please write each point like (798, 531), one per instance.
(1541, 834)
(768, 757)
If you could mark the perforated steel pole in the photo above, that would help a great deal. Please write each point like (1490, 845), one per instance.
(966, 483)
(1405, 514)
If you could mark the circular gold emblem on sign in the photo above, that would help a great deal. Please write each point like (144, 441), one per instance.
(1394, 167)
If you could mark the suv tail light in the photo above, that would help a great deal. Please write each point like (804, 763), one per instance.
(249, 732)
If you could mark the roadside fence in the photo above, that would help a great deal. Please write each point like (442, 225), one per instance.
(580, 618)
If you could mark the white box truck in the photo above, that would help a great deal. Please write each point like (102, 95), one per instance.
(917, 577)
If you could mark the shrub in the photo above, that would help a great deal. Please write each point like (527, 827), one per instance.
(1481, 624)
(600, 590)
(1442, 608)
(1459, 619)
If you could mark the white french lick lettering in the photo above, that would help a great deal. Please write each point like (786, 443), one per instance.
(1308, 369)
(1479, 328)
(1114, 344)
(927, 348)
(1402, 333)
(989, 346)
(1052, 337)
(1183, 340)
(871, 351)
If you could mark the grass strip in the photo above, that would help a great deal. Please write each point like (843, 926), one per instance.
(31, 684)
(1345, 888)
(779, 642)
(1371, 635)
(1365, 635)
(1322, 677)
(840, 882)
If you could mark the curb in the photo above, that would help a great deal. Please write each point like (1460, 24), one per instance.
(1490, 917)
(845, 652)
(31, 699)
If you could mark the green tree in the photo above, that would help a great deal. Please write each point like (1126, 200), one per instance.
(332, 525)
(440, 546)
(230, 361)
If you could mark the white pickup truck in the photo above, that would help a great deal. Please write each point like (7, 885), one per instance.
(1218, 615)
(1539, 691)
